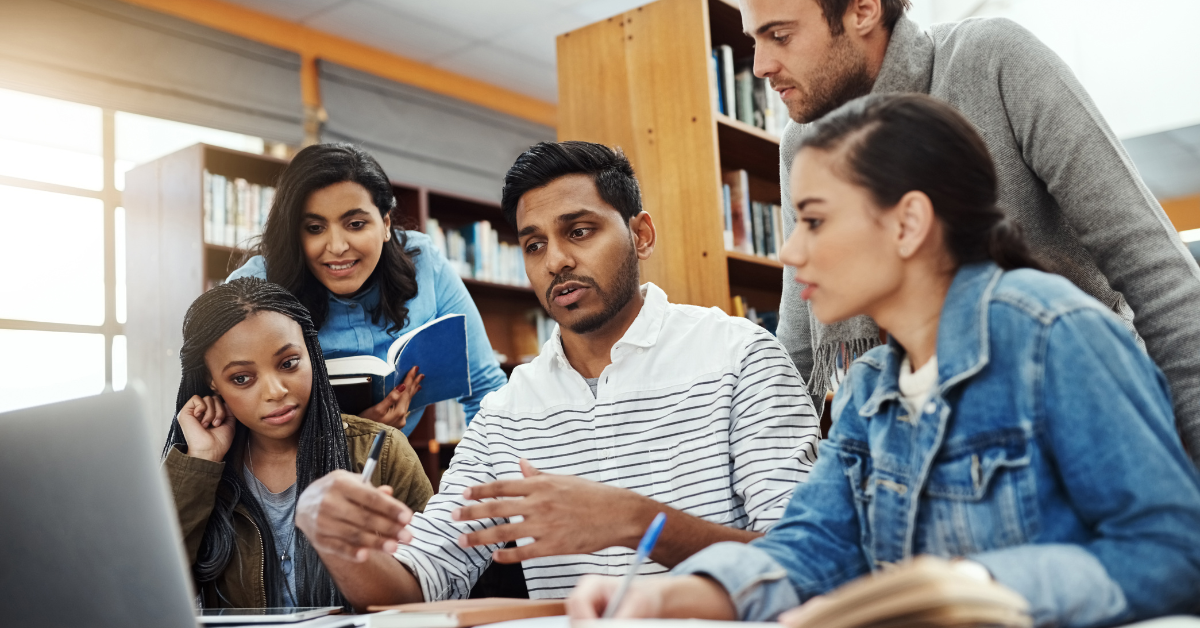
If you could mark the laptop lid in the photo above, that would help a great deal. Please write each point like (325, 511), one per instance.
(89, 535)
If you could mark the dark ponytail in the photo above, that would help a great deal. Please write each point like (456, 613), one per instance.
(896, 144)
(322, 446)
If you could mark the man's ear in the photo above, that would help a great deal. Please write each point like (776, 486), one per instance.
(644, 235)
(863, 16)
(915, 223)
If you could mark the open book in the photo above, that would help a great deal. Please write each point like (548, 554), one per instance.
(926, 592)
(438, 347)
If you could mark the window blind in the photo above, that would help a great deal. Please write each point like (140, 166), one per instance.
(116, 55)
(423, 138)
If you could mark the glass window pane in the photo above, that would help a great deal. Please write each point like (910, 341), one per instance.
(42, 367)
(119, 247)
(120, 366)
(141, 139)
(50, 140)
(52, 250)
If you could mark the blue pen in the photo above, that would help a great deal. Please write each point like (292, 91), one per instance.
(643, 552)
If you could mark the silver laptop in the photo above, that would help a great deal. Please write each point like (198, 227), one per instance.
(88, 531)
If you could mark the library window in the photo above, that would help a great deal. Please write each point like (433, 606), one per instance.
(63, 315)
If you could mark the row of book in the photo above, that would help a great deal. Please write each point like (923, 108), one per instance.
(235, 210)
(767, 319)
(450, 421)
(751, 227)
(739, 94)
(476, 252)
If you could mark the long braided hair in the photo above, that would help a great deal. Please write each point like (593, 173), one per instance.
(322, 446)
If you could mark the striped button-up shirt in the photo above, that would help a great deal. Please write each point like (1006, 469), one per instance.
(699, 410)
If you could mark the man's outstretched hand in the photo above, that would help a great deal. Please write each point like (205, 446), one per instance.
(344, 517)
(564, 514)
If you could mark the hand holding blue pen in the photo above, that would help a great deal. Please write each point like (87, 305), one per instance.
(643, 552)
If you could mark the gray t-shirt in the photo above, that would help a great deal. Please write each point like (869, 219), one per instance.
(592, 384)
(280, 509)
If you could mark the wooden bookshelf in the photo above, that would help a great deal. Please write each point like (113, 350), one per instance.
(640, 80)
(170, 265)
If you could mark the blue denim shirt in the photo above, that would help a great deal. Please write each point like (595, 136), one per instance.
(348, 329)
(1047, 452)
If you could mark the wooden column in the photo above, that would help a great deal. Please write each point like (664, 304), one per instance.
(639, 81)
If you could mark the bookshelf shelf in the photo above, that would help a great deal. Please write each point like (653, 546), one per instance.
(756, 260)
(754, 271)
(745, 147)
(171, 264)
(754, 131)
(613, 75)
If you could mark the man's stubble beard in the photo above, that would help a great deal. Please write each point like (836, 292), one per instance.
(623, 290)
(844, 78)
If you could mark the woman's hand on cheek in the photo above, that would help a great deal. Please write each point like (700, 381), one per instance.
(393, 410)
(207, 426)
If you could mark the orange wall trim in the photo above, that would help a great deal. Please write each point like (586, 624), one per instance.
(313, 44)
(1184, 212)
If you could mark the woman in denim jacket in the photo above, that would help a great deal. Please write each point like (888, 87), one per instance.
(1011, 422)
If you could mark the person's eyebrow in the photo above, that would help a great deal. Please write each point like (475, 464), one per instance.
(531, 229)
(284, 348)
(238, 363)
(349, 212)
(805, 202)
(573, 216)
(769, 26)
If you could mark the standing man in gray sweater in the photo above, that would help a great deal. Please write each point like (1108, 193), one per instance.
(1063, 174)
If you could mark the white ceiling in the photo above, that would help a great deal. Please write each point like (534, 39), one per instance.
(509, 43)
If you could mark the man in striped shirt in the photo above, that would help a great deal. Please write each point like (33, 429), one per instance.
(635, 406)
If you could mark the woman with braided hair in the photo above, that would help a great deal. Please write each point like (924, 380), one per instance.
(256, 423)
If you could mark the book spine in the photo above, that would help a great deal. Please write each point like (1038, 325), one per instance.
(218, 199)
(714, 80)
(745, 95)
(206, 191)
(255, 210)
(268, 201)
(493, 270)
(756, 215)
(727, 80)
(742, 196)
(727, 214)
(230, 214)
(777, 215)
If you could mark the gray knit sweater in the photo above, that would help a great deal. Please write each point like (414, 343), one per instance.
(1064, 177)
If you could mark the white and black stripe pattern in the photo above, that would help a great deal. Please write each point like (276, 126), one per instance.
(699, 410)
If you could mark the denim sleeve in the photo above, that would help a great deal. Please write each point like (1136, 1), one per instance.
(1065, 584)
(453, 298)
(254, 267)
(1106, 410)
(816, 545)
(758, 586)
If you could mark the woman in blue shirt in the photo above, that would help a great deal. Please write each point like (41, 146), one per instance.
(329, 240)
(1011, 423)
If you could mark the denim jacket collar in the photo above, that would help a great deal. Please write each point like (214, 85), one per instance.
(962, 344)
(368, 299)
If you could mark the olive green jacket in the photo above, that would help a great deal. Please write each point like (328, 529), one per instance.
(194, 483)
